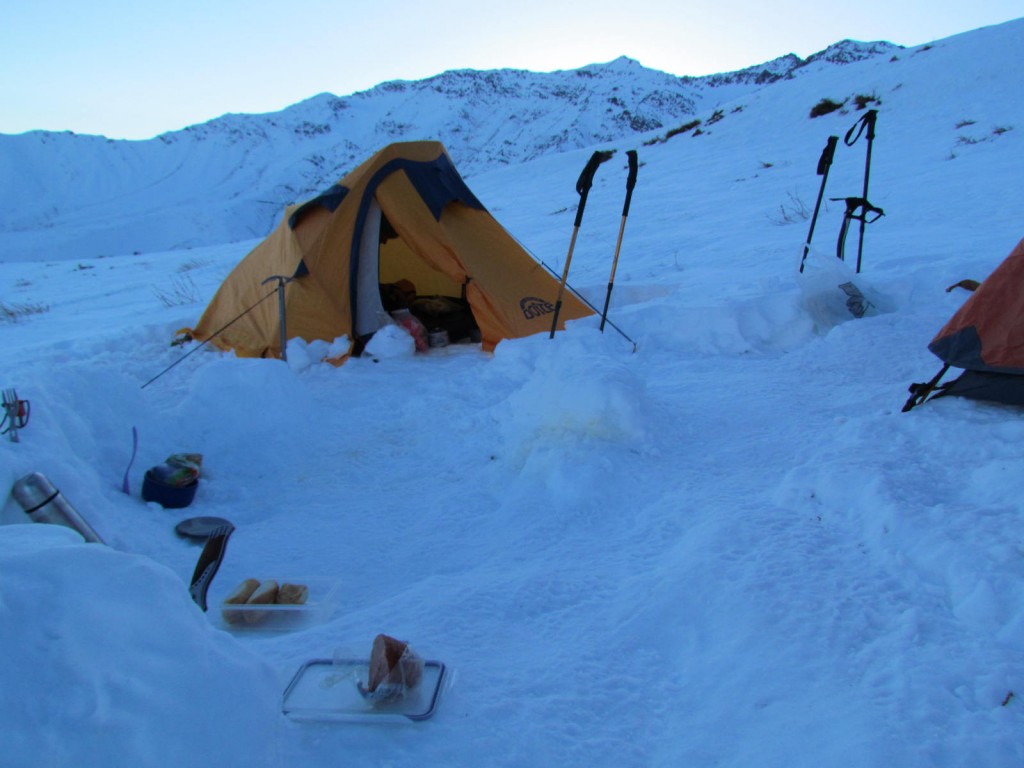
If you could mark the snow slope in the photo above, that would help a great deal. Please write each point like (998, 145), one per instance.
(728, 547)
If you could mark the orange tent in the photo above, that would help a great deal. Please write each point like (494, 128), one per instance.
(985, 337)
(404, 218)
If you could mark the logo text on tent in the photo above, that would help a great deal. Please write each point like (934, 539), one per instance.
(533, 307)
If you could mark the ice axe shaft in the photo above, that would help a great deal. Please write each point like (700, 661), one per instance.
(281, 282)
(630, 183)
(583, 185)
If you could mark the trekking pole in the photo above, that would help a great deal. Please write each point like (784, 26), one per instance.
(583, 185)
(630, 183)
(281, 282)
(824, 163)
(867, 121)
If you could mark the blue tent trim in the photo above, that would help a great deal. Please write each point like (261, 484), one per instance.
(963, 349)
(329, 199)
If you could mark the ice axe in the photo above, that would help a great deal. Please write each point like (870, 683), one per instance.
(630, 183)
(16, 413)
(583, 185)
(853, 205)
(281, 282)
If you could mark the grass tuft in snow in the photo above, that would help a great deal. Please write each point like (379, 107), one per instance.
(181, 293)
(12, 313)
(824, 107)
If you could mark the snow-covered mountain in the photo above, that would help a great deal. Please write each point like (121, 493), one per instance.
(66, 196)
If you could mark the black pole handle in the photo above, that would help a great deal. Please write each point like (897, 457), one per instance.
(630, 181)
(867, 120)
(586, 180)
(827, 154)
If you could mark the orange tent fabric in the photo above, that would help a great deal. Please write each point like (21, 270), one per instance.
(405, 213)
(987, 333)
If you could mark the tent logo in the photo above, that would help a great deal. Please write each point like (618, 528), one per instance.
(533, 307)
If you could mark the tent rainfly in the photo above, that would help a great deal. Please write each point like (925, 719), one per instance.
(985, 337)
(401, 231)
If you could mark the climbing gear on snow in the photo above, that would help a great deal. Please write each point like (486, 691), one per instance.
(281, 282)
(853, 205)
(16, 413)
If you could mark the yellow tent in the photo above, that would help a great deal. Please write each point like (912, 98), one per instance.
(403, 216)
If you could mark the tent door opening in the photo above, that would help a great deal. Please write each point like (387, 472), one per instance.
(392, 276)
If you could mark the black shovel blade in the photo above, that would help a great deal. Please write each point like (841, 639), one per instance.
(209, 561)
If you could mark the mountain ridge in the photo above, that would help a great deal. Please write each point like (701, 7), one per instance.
(229, 178)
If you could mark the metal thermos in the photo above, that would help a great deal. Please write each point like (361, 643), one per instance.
(45, 504)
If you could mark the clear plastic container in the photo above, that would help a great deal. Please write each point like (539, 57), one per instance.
(328, 690)
(272, 617)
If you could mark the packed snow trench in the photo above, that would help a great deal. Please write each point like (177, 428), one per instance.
(718, 542)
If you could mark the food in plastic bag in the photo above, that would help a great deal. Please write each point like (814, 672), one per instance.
(395, 669)
(179, 469)
(414, 326)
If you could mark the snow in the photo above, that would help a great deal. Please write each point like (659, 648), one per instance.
(727, 547)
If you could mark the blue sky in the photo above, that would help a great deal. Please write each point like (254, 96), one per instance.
(137, 69)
